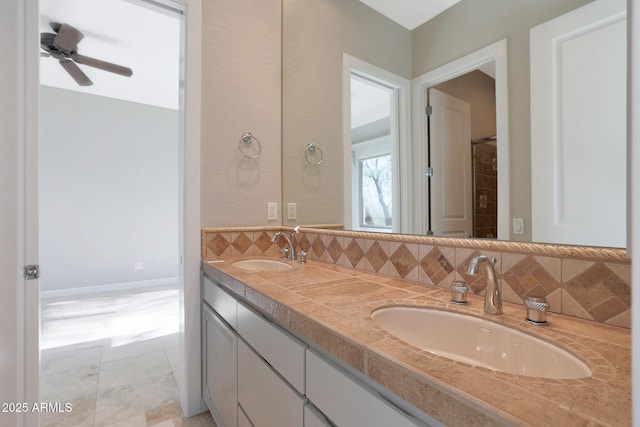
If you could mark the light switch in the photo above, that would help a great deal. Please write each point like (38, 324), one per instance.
(291, 211)
(518, 225)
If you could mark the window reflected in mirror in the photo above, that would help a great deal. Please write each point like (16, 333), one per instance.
(373, 136)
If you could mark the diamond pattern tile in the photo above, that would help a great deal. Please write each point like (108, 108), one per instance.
(600, 292)
(436, 266)
(218, 244)
(334, 248)
(263, 242)
(354, 252)
(376, 256)
(529, 277)
(318, 247)
(242, 243)
(403, 261)
(593, 290)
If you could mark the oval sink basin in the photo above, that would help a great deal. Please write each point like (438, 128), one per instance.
(479, 342)
(262, 265)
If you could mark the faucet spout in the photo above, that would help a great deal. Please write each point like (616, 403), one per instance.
(291, 241)
(492, 299)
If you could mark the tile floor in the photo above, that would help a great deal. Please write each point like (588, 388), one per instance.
(114, 357)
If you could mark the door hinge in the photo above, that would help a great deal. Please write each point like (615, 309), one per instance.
(31, 272)
(429, 110)
(429, 171)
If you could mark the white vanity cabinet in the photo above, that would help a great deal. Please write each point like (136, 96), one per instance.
(270, 372)
(346, 401)
(220, 383)
(256, 374)
(266, 398)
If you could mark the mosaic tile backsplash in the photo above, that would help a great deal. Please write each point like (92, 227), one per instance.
(592, 287)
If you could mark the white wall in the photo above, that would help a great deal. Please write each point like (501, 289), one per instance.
(12, 254)
(108, 190)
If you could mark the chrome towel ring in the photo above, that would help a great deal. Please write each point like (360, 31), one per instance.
(244, 145)
(310, 153)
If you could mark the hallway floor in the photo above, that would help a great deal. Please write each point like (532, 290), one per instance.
(114, 357)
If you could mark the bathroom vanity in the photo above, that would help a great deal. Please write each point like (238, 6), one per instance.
(258, 374)
(307, 352)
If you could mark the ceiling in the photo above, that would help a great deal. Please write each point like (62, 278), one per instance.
(123, 32)
(132, 34)
(410, 13)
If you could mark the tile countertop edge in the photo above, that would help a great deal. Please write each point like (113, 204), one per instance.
(394, 372)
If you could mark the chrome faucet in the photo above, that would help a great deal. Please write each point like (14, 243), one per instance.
(492, 299)
(291, 241)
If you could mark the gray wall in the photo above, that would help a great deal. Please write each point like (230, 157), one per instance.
(315, 34)
(108, 190)
(241, 90)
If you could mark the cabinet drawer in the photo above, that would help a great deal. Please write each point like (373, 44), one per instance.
(223, 303)
(313, 417)
(267, 399)
(281, 350)
(219, 368)
(346, 401)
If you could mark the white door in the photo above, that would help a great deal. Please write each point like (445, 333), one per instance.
(450, 144)
(578, 127)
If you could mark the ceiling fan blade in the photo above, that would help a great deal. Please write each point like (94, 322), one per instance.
(103, 65)
(67, 38)
(75, 72)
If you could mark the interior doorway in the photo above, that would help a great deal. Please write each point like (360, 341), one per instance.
(495, 56)
(468, 206)
(109, 201)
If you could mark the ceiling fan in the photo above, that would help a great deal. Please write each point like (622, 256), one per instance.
(63, 46)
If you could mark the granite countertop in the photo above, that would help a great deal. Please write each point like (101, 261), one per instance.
(331, 306)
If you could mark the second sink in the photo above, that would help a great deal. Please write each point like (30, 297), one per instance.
(479, 342)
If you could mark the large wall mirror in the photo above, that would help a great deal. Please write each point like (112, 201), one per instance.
(317, 37)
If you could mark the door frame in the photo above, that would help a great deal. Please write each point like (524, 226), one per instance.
(28, 293)
(496, 52)
(400, 152)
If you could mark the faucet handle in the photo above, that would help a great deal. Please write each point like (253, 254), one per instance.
(459, 291)
(537, 308)
(302, 257)
(284, 252)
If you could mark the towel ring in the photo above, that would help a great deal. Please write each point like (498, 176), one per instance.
(311, 149)
(245, 142)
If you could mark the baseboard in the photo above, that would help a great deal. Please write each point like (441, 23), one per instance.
(55, 293)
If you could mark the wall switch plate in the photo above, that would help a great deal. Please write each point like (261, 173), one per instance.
(518, 225)
(292, 211)
(138, 265)
(272, 211)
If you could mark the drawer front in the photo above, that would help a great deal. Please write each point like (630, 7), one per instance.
(313, 417)
(243, 421)
(267, 399)
(347, 402)
(220, 369)
(281, 350)
(223, 303)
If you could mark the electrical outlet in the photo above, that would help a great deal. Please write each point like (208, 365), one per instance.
(272, 211)
(138, 265)
(292, 212)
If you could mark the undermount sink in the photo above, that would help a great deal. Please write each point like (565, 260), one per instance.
(262, 265)
(479, 342)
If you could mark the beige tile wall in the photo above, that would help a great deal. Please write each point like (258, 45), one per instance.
(589, 283)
